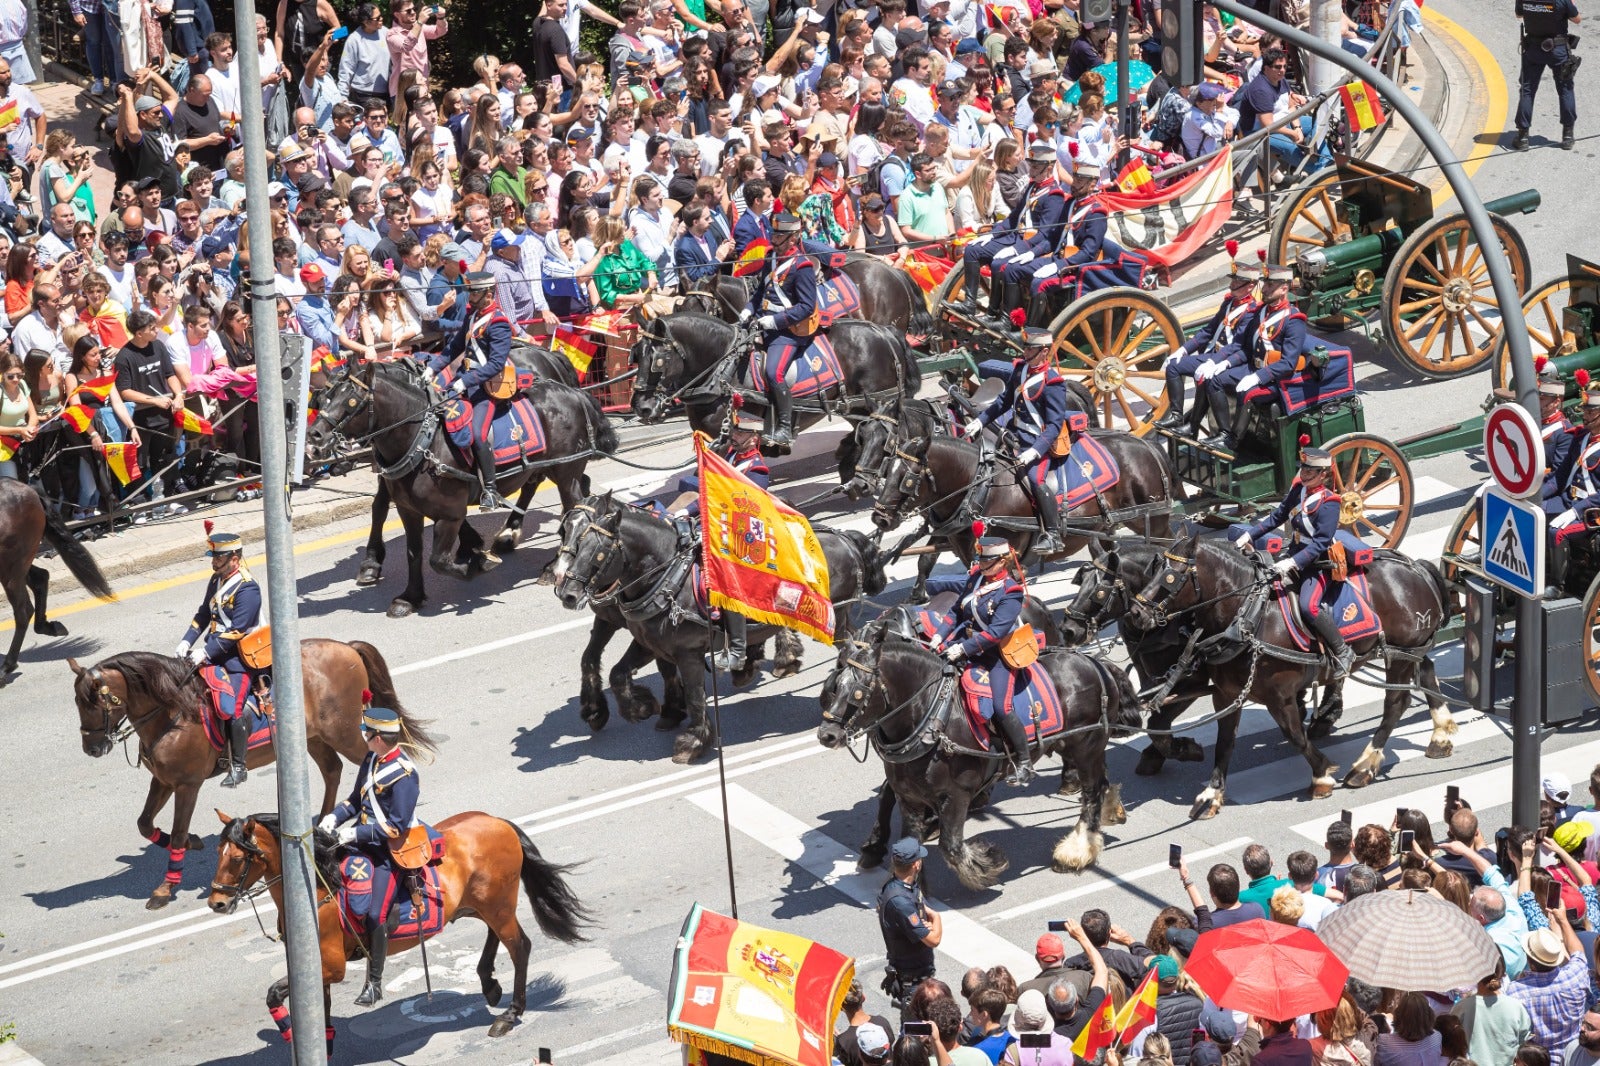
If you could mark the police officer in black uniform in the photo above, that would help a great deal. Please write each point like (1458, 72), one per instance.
(1545, 43)
(910, 930)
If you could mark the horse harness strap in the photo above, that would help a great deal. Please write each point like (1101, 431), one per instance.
(421, 446)
(663, 596)
(927, 734)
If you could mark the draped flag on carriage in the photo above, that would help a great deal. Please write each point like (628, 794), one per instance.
(1169, 225)
(123, 459)
(189, 422)
(1362, 106)
(750, 260)
(1140, 1011)
(761, 557)
(927, 269)
(754, 994)
(1098, 1032)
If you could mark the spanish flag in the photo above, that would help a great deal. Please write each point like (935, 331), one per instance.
(751, 259)
(99, 389)
(927, 269)
(761, 557)
(10, 114)
(1139, 1012)
(1362, 105)
(8, 448)
(1135, 179)
(1097, 1033)
(995, 16)
(578, 349)
(123, 459)
(78, 417)
(189, 422)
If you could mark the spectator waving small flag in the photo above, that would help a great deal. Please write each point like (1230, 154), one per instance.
(8, 448)
(123, 459)
(995, 16)
(1135, 178)
(1140, 1011)
(189, 422)
(1097, 1033)
(1362, 106)
(578, 349)
(750, 260)
(99, 389)
(9, 114)
(78, 417)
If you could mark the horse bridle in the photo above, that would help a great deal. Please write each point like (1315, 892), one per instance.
(252, 853)
(1109, 584)
(1179, 571)
(583, 581)
(857, 698)
(909, 483)
(893, 423)
(107, 702)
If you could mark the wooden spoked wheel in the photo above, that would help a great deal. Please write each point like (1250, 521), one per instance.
(1439, 310)
(1464, 545)
(951, 289)
(1591, 638)
(1114, 342)
(1543, 308)
(1373, 481)
(1310, 219)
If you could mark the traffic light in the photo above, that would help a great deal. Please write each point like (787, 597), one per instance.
(1477, 646)
(1182, 42)
(1099, 12)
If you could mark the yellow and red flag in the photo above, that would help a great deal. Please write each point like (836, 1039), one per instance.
(754, 994)
(1135, 178)
(750, 260)
(78, 417)
(761, 557)
(123, 459)
(995, 16)
(577, 348)
(10, 114)
(99, 389)
(189, 422)
(1098, 1033)
(1362, 105)
(927, 269)
(8, 448)
(1139, 1012)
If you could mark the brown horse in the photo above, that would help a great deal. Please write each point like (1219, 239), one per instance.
(161, 699)
(24, 522)
(484, 858)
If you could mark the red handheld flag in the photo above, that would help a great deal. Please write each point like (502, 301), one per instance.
(78, 417)
(189, 422)
(1097, 1033)
(1139, 1012)
(99, 389)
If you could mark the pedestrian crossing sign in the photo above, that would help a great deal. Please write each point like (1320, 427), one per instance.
(1513, 542)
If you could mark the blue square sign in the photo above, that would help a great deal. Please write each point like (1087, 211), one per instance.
(1513, 542)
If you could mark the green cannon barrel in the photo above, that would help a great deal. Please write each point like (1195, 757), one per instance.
(1525, 202)
(1568, 365)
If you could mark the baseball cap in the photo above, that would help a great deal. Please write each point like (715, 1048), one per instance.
(763, 85)
(1166, 967)
(277, 188)
(1212, 91)
(1183, 939)
(827, 159)
(872, 1040)
(1218, 1021)
(312, 274)
(1570, 835)
(1042, 68)
(952, 88)
(211, 246)
(871, 202)
(145, 103)
(1030, 1015)
(968, 47)
(1205, 1053)
(505, 238)
(815, 17)
(910, 35)
(579, 133)
(1049, 946)
(908, 849)
(146, 183)
(1556, 786)
(452, 251)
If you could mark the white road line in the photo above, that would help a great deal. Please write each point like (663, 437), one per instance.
(1100, 879)
(824, 858)
(579, 622)
(566, 1053)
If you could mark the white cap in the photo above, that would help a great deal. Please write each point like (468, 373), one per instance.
(763, 85)
(1556, 786)
(814, 16)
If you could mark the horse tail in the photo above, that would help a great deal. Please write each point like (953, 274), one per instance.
(874, 573)
(921, 322)
(601, 431)
(1441, 586)
(556, 907)
(381, 685)
(77, 557)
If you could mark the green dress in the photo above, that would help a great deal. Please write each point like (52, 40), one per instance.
(621, 273)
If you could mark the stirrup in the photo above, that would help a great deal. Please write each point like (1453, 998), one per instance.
(237, 775)
(371, 992)
(1049, 543)
(491, 500)
(1020, 774)
(727, 662)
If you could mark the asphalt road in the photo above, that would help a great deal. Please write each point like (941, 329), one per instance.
(89, 976)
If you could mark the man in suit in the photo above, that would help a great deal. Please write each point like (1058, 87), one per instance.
(753, 225)
(694, 252)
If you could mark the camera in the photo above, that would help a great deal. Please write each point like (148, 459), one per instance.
(307, 132)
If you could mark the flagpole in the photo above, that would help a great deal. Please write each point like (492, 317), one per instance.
(722, 780)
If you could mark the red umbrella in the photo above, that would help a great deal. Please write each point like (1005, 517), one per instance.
(1267, 969)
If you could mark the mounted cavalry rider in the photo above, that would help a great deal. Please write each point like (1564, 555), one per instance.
(742, 450)
(1270, 348)
(1203, 354)
(1029, 234)
(230, 609)
(786, 298)
(1583, 482)
(1036, 396)
(1311, 510)
(481, 347)
(988, 610)
(383, 806)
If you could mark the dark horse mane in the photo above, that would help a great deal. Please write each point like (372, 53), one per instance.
(162, 679)
(324, 847)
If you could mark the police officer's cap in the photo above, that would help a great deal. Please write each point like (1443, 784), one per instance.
(1316, 458)
(908, 850)
(993, 547)
(1034, 337)
(224, 543)
(1041, 153)
(381, 720)
(1279, 272)
(479, 280)
(783, 222)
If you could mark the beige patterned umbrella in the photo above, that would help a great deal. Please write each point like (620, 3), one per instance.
(1409, 940)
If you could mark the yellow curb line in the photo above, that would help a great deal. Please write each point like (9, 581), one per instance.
(1497, 111)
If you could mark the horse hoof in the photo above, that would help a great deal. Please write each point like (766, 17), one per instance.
(1207, 805)
(747, 676)
(687, 749)
(505, 542)
(1187, 749)
(51, 629)
(786, 669)
(596, 717)
(401, 608)
(368, 576)
(1150, 762)
(668, 722)
(486, 561)
(502, 1025)
(1356, 779)
(1323, 789)
(1069, 789)
(159, 898)
(492, 993)
(1441, 749)
(8, 667)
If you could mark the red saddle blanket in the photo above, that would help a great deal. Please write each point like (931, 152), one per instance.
(1089, 468)
(212, 716)
(355, 885)
(1351, 605)
(517, 435)
(1035, 702)
(809, 371)
(837, 298)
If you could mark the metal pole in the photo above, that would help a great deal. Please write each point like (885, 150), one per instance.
(294, 782)
(1125, 114)
(1327, 24)
(722, 783)
(1530, 670)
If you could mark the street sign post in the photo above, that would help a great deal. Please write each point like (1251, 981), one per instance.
(1513, 543)
(1514, 449)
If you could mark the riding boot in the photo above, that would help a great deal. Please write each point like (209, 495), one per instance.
(378, 952)
(968, 304)
(1231, 437)
(1016, 738)
(782, 436)
(1044, 498)
(1038, 310)
(1012, 299)
(996, 311)
(1174, 416)
(483, 457)
(1555, 571)
(238, 748)
(1326, 627)
(1202, 406)
(732, 657)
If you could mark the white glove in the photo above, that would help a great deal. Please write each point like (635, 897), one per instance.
(1284, 567)
(347, 836)
(1171, 360)
(1028, 458)
(1565, 518)
(197, 655)
(767, 322)
(953, 652)
(973, 428)
(1242, 541)
(1025, 257)
(183, 649)
(328, 825)
(1206, 370)
(458, 386)
(746, 315)
(1248, 382)
(1005, 253)
(428, 374)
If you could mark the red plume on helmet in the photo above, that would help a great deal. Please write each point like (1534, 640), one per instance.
(1305, 439)
(1261, 254)
(1232, 248)
(737, 399)
(1540, 363)
(1582, 378)
(1072, 149)
(210, 525)
(366, 697)
(978, 527)
(1018, 317)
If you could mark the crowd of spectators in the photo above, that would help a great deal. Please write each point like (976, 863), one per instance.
(1540, 1005)
(585, 180)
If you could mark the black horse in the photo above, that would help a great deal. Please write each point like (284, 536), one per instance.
(24, 522)
(634, 570)
(889, 297)
(895, 691)
(1214, 585)
(697, 360)
(391, 407)
(950, 482)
